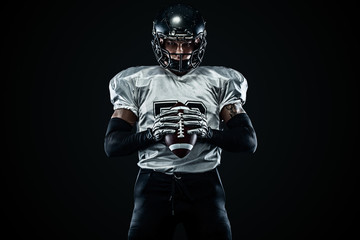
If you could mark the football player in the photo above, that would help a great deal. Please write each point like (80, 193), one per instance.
(168, 189)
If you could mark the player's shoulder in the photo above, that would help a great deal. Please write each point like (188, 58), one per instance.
(221, 72)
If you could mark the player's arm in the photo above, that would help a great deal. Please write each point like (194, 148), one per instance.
(119, 138)
(239, 135)
(230, 111)
(126, 115)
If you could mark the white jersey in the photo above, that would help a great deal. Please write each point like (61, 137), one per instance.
(147, 90)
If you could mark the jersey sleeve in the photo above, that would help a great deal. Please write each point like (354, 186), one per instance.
(122, 93)
(234, 90)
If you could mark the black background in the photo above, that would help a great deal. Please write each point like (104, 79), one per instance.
(298, 58)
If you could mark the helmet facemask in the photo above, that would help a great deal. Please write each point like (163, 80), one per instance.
(186, 61)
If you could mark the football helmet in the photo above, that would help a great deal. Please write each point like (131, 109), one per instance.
(179, 22)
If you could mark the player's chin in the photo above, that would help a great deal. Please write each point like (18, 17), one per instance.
(177, 58)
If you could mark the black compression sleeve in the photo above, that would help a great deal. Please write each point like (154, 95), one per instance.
(239, 137)
(120, 141)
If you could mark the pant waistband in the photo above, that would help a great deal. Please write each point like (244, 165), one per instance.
(146, 170)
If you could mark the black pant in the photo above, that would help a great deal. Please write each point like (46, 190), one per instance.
(195, 199)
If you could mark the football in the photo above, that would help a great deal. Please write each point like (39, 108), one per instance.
(180, 142)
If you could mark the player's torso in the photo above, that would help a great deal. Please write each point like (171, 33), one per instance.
(153, 89)
(158, 89)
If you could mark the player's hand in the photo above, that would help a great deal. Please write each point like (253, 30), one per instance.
(195, 119)
(165, 123)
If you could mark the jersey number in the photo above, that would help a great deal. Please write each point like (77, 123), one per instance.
(165, 105)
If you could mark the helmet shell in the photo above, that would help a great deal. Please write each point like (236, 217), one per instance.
(179, 22)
